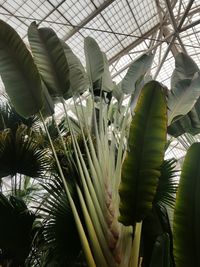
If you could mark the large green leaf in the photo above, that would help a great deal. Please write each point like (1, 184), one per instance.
(94, 59)
(187, 212)
(141, 168)
(50, 59)
(107, 83)
(97, 67)
(19, 73)
(189, 123)
(78, 77)
(137, 69)
(182, 97)
(138, 88)
(185, 68)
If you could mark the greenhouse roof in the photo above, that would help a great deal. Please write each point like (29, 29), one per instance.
(124, 29)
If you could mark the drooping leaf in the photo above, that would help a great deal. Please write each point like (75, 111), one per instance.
(141, 168)
(94, 59)
(185, 68)
(187, 212)
(19, 73)
(78, 78)
(190, 123)
(182, 97)
(50, 59)
(138, 69)
(138, 88)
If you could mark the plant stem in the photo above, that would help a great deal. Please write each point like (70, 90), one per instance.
(136, 246)
(82, 235)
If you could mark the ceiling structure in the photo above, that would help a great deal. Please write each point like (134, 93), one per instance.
(124, 29)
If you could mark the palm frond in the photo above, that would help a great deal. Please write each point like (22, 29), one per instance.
(168, 184)
(61, 243)
(9, 118)
(19, 153)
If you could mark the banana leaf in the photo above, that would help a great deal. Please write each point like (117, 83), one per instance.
(19, 73)
(186, 230)
(185, 68)
(78, 78)
(137, 70)
(97, 67)
(141, 168)
(94, 60)
(182, 97)
(190, 123)
(50, 59)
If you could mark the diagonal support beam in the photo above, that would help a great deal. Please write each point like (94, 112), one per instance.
(88, 19)
(174, 24)
(174, 37)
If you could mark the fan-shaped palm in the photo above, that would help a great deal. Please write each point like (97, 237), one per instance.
(19, 153)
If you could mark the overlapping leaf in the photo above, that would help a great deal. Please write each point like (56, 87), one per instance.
(141, 168)
(137, 70)
(19, 73)
(50, 59)
(187, 212)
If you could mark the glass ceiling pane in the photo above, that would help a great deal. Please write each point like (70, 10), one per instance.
(76, 11)
(115, 28)
(106, 40)
(145, 13)
(118, 26)
(120, 18)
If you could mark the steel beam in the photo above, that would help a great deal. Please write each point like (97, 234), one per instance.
(185, 14)
(88, 19)
(192, 24)
(174, 37)
(134, 43)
